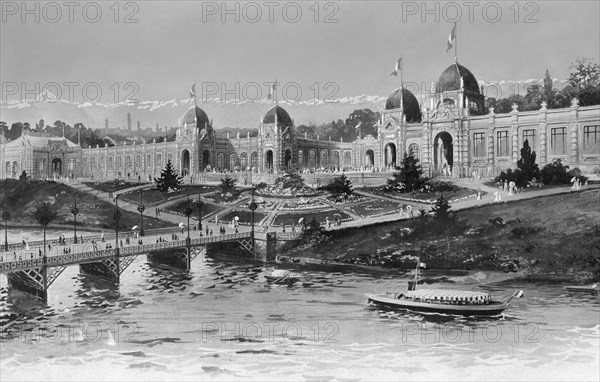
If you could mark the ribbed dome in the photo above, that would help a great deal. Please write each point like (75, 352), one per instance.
(283, 118)
(412, 110)
(450, 80)
(195, 117)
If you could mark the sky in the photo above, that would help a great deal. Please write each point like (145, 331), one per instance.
(340, 51)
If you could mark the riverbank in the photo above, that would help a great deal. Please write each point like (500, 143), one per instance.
(22, 198)
(551, 238)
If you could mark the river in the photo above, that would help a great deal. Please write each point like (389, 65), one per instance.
(223, 321)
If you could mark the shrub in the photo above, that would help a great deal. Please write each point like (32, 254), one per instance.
(555, 173)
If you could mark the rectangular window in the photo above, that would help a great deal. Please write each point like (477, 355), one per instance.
(159, 160)
(170, 157)
(479, 145)
(558, 141)
(118, 163)
(137, 161)
(148, 160)
(111, 164)
(502, 144)
(591, 139)
(529, 136)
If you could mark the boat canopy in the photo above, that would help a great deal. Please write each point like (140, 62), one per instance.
(448, 295)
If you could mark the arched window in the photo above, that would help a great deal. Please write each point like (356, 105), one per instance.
(243, 160)
(254, 160)
(220, 161)
(413, 150)
(232, 161)
(323, 159)
(312, 158)
(300, 158)
(336, 159)
(347, 159)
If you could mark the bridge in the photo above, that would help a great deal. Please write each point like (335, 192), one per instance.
(36, 274)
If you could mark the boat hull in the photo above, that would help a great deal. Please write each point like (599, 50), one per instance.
(492, 309)
(582, 288)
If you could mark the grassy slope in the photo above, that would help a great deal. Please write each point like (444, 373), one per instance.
(551, 234)
(22, 199)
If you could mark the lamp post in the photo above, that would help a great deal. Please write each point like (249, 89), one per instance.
(199, 204)
(117, 217)
(75, 211)
(188, 212)
(252, 207)
(141, 210)
(6, 216)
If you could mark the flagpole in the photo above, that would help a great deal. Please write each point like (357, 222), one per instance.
(456, 43)
(195, 91)
(401, 87)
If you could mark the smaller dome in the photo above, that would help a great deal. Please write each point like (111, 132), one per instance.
(283, 118)
(450, 80)
(195, 117)
(411, 110)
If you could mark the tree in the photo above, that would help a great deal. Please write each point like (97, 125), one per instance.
(227, 185)
(23, 175)
(169, 179)
(555, 173)
(527, 165)
(585, 82)
(44, 214)
(409, 176)
(340, 185)
(443, 220)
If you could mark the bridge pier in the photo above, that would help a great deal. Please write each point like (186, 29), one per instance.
(105, 269)
(33, 281)
(180, 258)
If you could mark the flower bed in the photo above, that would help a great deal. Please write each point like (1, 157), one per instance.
(245, 217)
(375, 208)
(260, 203)
(428, 198)
(353, 198)
(280, 192)
(303, 204)
(226, 199)
(321, 216)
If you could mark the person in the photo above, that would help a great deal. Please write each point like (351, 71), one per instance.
(102, 235)
(207, 231)
(211, 232)
(409, 210)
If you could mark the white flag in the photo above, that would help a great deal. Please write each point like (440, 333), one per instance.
(398, 67)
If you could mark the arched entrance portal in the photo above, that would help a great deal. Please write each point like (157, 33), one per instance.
(443, 153)
(185, 162)
(288, 158)
(369, 158)
(56, 166)
(205, 159)
(269, 160)
(390, 155)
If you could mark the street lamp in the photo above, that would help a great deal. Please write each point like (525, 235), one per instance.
(188, 212)
(141, 209)
(117, 217)
(75, 211)
(253, 206)
(199, 204)
(6, 216)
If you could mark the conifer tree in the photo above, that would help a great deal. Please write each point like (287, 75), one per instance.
(169, 179)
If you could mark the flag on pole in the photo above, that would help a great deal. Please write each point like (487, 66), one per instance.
(193, 91)
(398, 68)
(451, 38)
(272, 90)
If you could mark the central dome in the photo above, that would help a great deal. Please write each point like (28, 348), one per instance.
(450, 80)
(195, 117)
(409, 102)
(283, 118)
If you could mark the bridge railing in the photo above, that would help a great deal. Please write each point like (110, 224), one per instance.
(81, 257)
(107, 237)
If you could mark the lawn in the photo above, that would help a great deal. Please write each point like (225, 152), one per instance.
(245, 217)
(111, 186)
(151, 196)
(292, 218)
(376, 207)
(208, 209)
(94, 212)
